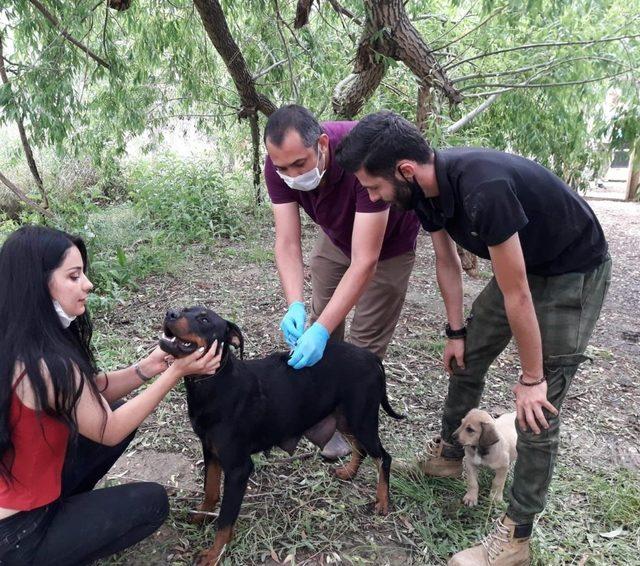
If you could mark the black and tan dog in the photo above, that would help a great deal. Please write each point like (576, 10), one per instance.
(252, 406)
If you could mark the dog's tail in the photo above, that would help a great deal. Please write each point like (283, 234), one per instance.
(385, 400)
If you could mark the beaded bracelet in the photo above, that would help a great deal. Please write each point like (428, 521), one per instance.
(531, 383)
(139, 373)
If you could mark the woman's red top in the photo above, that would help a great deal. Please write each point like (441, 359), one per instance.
(40, 445)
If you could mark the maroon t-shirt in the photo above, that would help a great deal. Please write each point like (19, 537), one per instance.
(334, 203)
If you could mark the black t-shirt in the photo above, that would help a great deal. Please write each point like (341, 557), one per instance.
(486, 196)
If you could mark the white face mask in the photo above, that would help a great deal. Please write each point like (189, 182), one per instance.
(65, 319)
(305, 182)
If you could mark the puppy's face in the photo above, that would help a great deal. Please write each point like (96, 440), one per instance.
(476, 429)
(191, 328)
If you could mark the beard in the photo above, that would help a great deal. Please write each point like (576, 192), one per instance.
(402, 195)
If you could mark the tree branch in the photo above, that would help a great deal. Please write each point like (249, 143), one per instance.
(215, 25)
(454, 26)
(543, 68)
(548, 85)
(538, 45)
(475, 28)
(26, 146)
(531, 68)
(56, 24)
(343, 11)
(453, 128)
(266, 71)
(20, 194)
(280, 20)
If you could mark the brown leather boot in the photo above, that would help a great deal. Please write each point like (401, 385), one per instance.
(506, 545)
(439, 459)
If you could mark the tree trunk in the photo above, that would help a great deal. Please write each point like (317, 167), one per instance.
(424, 107)
(633, 173)
(255, 143)
(302, 13)
(33, 167)
(388, 32)
(251, 100)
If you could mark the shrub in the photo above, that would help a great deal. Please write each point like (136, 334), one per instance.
(188, 200)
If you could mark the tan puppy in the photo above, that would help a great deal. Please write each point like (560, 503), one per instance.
(487, 442)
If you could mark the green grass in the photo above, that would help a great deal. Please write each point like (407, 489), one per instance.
(297, 510)
(583, 505)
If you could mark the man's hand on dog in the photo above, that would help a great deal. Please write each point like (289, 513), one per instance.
(529, 404)
(310, 347)
(293, 322)
(199, 362)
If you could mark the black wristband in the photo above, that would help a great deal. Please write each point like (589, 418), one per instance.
(455, 334)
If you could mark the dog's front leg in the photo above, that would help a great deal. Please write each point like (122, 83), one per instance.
(213, 475)
(497, 486)
(235, 485)
(470, 498)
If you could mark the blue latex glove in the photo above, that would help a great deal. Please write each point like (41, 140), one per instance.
(310, 347)
(292, 324)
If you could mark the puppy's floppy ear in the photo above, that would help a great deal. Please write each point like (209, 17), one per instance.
(235, 338)
(488, 436)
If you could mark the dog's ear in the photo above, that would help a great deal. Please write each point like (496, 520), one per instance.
(488, 436)
(235, 338)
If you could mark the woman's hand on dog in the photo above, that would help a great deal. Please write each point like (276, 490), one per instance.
(199, 362)
(156, 362)
(530, 401)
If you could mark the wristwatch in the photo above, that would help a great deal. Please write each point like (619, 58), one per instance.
(455, 334)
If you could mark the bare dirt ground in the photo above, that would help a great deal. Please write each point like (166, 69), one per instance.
(239, 280)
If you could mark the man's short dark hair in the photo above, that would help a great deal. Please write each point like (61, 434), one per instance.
(292, 117)
(379, 141)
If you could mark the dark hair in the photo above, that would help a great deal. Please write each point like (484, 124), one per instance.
(292, 117)
(31, 333)
(379, 141)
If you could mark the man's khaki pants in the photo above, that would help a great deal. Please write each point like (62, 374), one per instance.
(378, 309)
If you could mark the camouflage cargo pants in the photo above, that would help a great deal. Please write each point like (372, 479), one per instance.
(567, 307)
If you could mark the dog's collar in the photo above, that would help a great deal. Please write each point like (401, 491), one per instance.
(197, 378)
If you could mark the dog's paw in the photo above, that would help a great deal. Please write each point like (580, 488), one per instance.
(345, 473)
(381, 507)
(470, 499)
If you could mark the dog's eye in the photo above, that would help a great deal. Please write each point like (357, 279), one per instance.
(470, 430)
(204, 320)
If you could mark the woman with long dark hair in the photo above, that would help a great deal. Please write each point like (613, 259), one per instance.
(62, 421)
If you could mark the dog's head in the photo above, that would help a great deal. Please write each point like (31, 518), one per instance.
(477, 429)
(191, 328)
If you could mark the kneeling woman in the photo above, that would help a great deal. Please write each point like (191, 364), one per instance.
(62, 423)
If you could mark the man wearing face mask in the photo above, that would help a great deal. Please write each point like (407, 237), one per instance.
(363, 255)
(551, 274)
